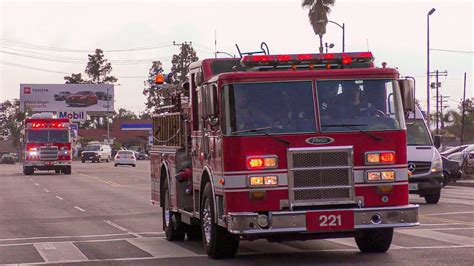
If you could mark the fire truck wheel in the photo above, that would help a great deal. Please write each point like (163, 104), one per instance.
(218, 242)
(57, 171)
(433, 198)
(28, 170)
(172, 225)
(374, 240)
(67, 170)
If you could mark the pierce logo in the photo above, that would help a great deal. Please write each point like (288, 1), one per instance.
(27, 90)
(319, 140)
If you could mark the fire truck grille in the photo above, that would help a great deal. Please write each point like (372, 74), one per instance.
(48, 153)
(320, 176)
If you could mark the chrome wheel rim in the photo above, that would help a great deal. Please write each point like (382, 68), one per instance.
(167, 209)
(207, 221)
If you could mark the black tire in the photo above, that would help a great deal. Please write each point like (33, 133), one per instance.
(446, 179)
(218, 242)
(134, 165)
(67, 170)
(107, 160)
(374, 240)
(433, 198)
(57, 171)
(115, 165)
(172, 226)
(83, 161)
(28, 170)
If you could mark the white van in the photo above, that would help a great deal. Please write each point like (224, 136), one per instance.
(96, 152)
(425, 166)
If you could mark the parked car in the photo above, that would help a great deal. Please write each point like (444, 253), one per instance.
(82, 98)
(453, 150)
(463, 158)
(470, 163)
(96, 152)
(139, 151)
(62, 95)
(125, 157)
(8, 158)
(451, 171)
(103, 96)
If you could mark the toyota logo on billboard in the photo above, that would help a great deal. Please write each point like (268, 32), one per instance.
(27, 90)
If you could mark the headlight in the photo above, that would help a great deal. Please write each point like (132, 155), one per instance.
(387, 176)
(437, 166)
(32, 153)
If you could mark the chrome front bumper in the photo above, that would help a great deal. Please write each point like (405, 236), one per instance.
(47, 163)
(295, 221)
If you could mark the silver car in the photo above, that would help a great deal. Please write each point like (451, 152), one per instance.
(124, 157)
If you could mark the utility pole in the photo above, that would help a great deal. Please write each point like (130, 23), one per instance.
(463, 110)
(436, 85)
(442, 101)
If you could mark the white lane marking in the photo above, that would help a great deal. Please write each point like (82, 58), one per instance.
(447, 213)
(61, 251)
(37, 184)
(79, 208)
(46, 190)
(122, 228)
(439, 236)
(61, 237)
(31, 179)
(59, 198)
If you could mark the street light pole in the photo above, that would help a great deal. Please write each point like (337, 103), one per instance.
(108, 122)
(343, 27)
(428, 66)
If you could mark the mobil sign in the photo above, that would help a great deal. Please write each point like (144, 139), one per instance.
(74, 116)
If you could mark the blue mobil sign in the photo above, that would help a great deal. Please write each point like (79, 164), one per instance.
(136, 126)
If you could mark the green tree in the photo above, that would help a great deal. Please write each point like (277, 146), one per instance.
(181, 62)
(153, 96)
(74, 79)
(98, 69)
(124, 114)
(318, 16)
(11, 121)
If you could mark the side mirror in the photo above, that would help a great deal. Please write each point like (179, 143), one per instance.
(407, 92)
(186, 89)
(199, 78)
(210, 93)
(437, 141)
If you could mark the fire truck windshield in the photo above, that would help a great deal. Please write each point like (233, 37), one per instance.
(278, 107)
(43, 136)
(370, 104)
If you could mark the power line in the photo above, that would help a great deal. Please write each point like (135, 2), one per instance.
(453, 51)
(6, 42)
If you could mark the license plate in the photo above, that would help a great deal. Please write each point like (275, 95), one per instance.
(413, 186)
(330, 221)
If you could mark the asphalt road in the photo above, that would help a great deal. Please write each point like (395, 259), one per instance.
(101, 215)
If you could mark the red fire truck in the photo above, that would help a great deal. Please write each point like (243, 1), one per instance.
(284, 147)
(47, 144)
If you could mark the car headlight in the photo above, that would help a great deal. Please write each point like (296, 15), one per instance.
(437, 166)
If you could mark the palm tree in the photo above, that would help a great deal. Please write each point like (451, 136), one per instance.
(318, 16)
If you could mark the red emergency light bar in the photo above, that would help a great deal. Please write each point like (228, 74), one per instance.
(47, 125)
(307, 59)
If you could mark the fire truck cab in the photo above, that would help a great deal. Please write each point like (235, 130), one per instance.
(47, 144)
(284, 147)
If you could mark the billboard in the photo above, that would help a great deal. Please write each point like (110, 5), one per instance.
(64, 97)
(73, 115)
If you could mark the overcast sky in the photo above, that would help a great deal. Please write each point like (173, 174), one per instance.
(395, 31)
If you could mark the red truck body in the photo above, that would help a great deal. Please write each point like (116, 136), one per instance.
(47, 145)
(320, 177)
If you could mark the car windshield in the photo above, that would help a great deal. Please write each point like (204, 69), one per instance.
(277, 107)
(417, 133)
(43, 136)
(92, 148)
(351, 105)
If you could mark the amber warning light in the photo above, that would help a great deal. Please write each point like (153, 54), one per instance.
(264, 162)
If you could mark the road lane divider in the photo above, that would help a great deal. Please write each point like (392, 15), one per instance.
(36, 184)
(46, 190)
(59, 198)
(110, 183)
(79, 208)
(123, 229)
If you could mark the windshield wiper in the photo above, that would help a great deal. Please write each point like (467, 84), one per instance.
(254, 130)
(356, 127)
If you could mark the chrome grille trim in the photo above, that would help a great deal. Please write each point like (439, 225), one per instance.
(320, 176)
(48, 153)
